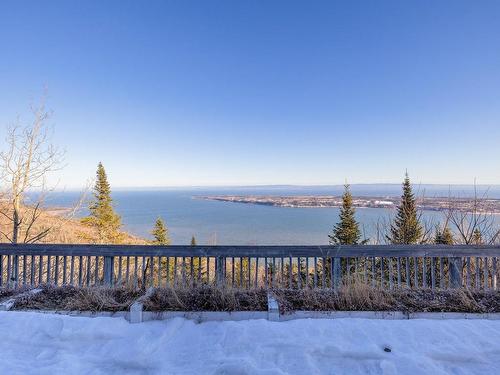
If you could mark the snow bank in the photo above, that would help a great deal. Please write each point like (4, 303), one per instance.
(32, 343)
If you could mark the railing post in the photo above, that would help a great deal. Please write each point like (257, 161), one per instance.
(13, 282)
(455, 264)
(219, 265)
(337, 272)
(108, 270)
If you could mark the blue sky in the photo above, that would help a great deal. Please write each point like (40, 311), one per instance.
(260, 92)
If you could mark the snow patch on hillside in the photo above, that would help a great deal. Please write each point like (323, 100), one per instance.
(32, 343)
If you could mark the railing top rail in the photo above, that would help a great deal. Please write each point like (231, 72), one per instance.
(252, 251)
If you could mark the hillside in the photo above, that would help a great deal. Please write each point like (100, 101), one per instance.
(63, 228)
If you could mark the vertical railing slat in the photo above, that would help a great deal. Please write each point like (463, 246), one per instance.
(415, 272)
(120, 260)
(32, 271)
(72, 270)
(348, 269)
(467, 272)
(152, 270)
(315, 279)
(494, 275)
(65, 267)
(199, 269)
(455, 272)
(80, 271)
(382, 276)
(365, 270)
(9, 270)
(389, 261)
(424, 272)
(56, 271)
(256, 272)
(323, 273)
(183, 271)
(96, 272)
(441, 273)
(136, 270)
(265, 273)
(40, 269)
(433, 273)
(407, 272)
(240, 281)
(88, 271)
(398, 267)
(374, 275)
(127, 270)
(299, 274)
(48, 269)
(485, 273)
(249, 272)
(24, 269)
(477, 273)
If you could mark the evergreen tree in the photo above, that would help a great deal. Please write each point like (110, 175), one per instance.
(197, 262)
(477, 237)
(160, 233)
(102, 215)
(443, 236)
(406, 228)
(346, 232)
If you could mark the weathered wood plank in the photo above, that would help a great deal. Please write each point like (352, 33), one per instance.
(445, 251)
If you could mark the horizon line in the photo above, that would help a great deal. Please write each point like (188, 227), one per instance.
(159, 187)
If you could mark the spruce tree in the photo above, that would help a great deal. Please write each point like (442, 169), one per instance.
(443, 236)
(160, 233)
(346, 231)
(102, 215)
(406, 228)
(197, 262)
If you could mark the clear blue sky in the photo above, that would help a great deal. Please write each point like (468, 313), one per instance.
(260, 92)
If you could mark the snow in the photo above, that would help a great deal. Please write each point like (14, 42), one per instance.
(32, 343)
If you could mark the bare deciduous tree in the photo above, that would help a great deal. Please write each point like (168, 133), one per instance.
(24, 165)
(473, 219)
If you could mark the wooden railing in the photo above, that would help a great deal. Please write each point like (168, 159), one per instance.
(391, 266)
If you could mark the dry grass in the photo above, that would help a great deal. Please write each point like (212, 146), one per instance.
(206, 298)
(459, 300)
(355, 297)
(9, 292)
(201, 298)
(358, 297)
(362, 297)
(80, 299)
(6, 293)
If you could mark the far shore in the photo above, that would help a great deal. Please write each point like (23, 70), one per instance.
(491, 206)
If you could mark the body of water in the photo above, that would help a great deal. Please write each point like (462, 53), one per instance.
(226, 223)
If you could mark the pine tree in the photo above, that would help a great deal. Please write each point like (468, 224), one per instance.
(346, 232)
(193, 241)
(443, 236)
(102, 215)
(160, 233)
(406, 228)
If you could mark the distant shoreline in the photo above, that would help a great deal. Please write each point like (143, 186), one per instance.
(314, 201)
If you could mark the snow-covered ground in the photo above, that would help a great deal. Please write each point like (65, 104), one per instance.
(33, 343)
